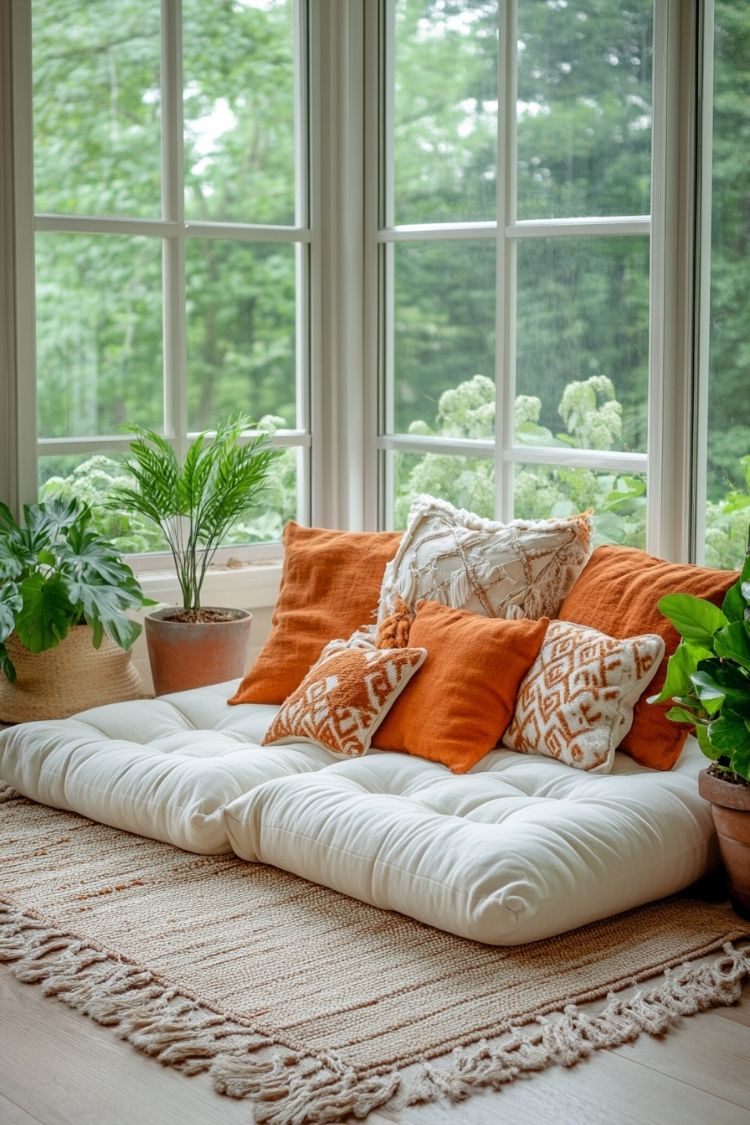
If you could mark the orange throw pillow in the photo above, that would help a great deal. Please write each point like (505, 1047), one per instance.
(458, 707)
(617, 593)
(330, 586)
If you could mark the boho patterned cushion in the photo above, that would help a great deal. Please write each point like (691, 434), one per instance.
(576, 703)
(520, 569)
(345, 695)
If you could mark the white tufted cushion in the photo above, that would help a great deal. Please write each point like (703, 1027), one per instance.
(162, 768)
(517, 850)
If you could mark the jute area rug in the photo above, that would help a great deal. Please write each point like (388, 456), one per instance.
(315, 1006)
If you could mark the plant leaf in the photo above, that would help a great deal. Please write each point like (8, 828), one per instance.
(680, 667)
(705, 744)
(6, 664)
(47, 614)
(11, 604)
(733, 643)
(708, 691)
(694, 618)
(729, 733)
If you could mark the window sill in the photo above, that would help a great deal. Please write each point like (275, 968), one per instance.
(247, 586)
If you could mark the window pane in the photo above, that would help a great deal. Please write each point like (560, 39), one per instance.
(96, 107)
(582, 338)
(583, 112)
(467, 482)
(618, 500)
(90, 477)
(278, 503)
(241, 332)
(444, 326)
(445, 110)
(728, 476)
(98, 334)
(239, 110)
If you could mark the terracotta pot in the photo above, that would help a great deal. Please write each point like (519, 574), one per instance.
(70, 677)
(731, 811)
(186, 655)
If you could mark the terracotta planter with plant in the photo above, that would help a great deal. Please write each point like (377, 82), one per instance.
(194, 504)
(708, 681)
(65, 634)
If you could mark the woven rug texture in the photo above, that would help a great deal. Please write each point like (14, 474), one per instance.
(310, 1003)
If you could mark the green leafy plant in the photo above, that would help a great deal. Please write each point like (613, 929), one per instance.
(708, 676)
(57, 571)
(195, 504)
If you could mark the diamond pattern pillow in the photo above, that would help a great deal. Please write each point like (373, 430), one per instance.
(515, 570)
(345, 696)
(576, 702)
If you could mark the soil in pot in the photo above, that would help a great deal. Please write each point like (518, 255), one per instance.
(189, 650)
(730, 805)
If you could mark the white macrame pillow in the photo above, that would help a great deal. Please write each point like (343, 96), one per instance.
(521, 569)
(576, 702)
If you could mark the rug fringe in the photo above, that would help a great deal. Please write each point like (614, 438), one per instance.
(289, 1087)
(7, 792)
(572, 1035)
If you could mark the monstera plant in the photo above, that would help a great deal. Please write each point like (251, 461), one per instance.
(708, 682)
(58, 572)
(60, 580)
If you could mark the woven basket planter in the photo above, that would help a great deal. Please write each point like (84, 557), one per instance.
(71, 677)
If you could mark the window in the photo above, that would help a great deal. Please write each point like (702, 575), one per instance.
(172, 236)
(493, 249)
(515, 223)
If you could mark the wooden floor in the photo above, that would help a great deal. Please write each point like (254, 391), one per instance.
(59, 1068)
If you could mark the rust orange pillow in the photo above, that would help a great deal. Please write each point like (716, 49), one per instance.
(330, 586)
(456, 710)
(617, 593)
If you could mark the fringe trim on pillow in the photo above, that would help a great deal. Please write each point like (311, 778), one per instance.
(291, 1087)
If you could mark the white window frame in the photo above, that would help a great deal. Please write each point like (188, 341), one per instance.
(347, 242)
(174, 231)
(670, 524)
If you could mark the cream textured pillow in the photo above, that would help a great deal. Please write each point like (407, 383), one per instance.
(345, 696)
(576, 702)
(521, 569)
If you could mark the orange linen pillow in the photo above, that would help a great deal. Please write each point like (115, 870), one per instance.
(456, 710)
(330, 586)
(617, 593)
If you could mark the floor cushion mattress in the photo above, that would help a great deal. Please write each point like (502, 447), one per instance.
(162, 768)
(519, 849)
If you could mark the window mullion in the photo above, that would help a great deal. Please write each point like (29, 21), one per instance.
(672, 263)
(505, 299)
(23, 263)
(173, 210)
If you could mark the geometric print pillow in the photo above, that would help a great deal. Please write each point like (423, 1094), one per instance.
(344, 697)
(576, 702)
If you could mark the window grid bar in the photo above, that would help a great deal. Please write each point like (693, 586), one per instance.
(163, 228)
(615, 460)
(522, 228)
(113, 443)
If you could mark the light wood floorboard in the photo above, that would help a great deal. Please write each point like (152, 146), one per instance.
(59, 1068)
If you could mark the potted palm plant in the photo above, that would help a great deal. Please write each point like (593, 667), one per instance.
(65, 633)
(194, 505)
(708, 681)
